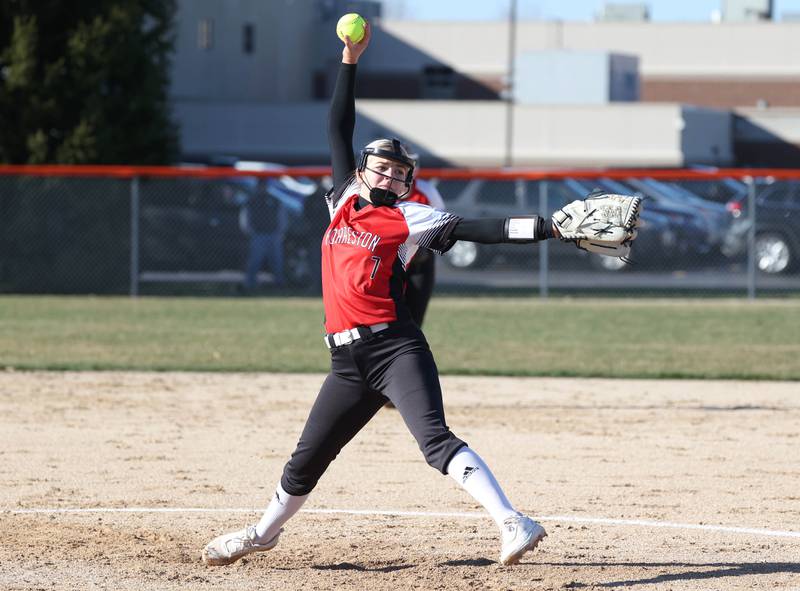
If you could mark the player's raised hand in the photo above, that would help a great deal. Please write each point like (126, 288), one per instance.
(352, 51)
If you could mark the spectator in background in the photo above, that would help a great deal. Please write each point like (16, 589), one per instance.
(264, 220)
(267, 207)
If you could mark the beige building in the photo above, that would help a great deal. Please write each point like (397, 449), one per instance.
(243, 85)
(720, 65)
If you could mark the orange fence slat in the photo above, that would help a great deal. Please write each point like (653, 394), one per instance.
(127, 172)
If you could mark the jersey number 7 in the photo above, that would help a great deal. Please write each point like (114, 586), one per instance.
(375, 268)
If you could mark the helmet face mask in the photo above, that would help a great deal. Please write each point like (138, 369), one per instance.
(394, 151)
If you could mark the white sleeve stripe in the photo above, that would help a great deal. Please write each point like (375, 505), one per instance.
(428, 227)
(427, 238)
(406, 252)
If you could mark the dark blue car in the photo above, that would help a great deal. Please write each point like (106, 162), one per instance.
(777, 230)
(478, 198)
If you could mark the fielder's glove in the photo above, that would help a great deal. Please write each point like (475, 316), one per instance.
(602, 223)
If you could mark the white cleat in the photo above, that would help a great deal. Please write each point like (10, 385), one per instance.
(520, 534)
(229, 548)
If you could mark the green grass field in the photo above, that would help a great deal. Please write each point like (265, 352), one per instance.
(683, 338)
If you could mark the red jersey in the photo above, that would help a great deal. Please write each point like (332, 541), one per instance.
(365, 253)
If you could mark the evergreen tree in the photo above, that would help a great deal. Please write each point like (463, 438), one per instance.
(86, 82)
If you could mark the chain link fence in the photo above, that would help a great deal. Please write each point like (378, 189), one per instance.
(215, 234)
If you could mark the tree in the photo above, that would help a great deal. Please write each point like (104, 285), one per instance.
(86, 82)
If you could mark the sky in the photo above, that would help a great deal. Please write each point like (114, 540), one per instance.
(572, 10)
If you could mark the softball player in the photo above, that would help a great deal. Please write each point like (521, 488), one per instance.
(377, 352)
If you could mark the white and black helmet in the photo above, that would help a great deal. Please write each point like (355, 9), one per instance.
(391, 149)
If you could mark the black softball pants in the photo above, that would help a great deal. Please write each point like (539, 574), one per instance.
(395, 364)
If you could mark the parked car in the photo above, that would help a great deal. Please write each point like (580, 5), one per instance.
(777, 232)
(660, 230)
(719, 190)
(714, 218)
(481, 198)
(725, 191)
(192, 224)
(189, 225)
(693, 234)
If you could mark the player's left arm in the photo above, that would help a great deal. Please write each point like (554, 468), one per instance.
(602, 223)
(438, 230)
(520, 229)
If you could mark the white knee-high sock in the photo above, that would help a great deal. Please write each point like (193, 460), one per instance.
(472, 473)
(281, 508)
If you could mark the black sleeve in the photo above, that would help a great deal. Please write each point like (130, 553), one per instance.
(485, 231)
(495, 230)
(341, 122)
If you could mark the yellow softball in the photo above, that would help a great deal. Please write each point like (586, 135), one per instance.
(351, 25)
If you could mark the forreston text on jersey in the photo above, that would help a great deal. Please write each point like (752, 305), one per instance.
(347, 235)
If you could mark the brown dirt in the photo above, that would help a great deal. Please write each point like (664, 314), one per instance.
(715, 453)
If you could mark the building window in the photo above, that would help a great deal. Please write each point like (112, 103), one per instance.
(249, 38)
(438, 82)
(205, 33)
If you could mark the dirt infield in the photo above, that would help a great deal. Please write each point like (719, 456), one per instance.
(117, 480)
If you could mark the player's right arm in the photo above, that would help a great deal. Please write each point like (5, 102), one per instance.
(342, 114)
